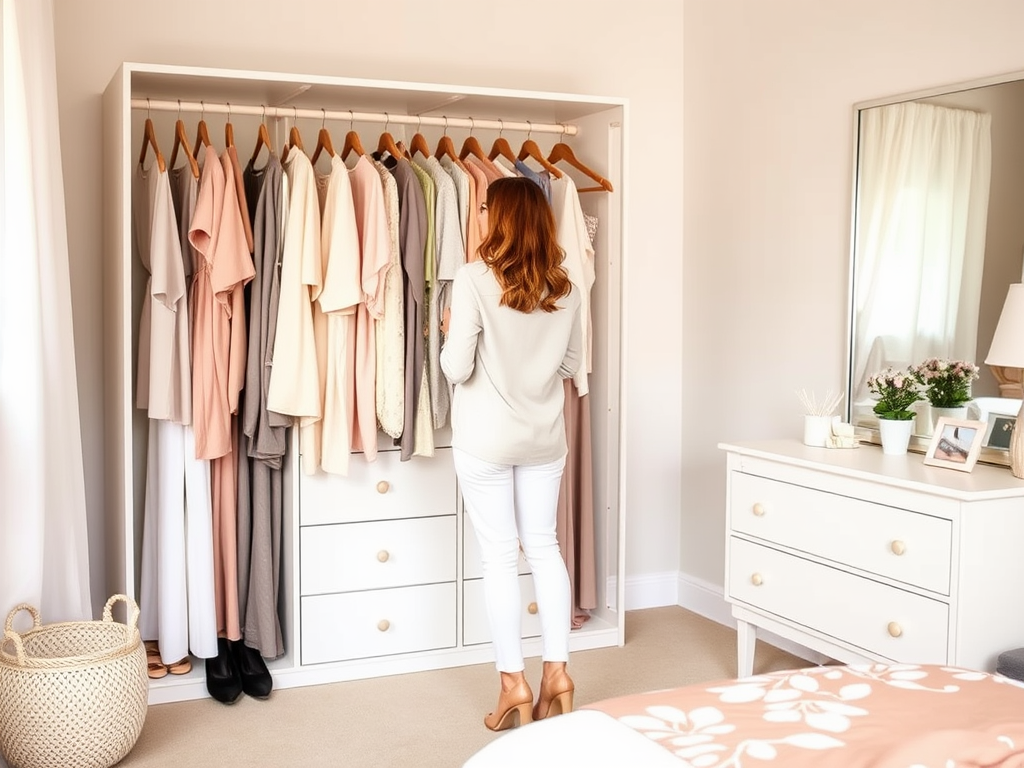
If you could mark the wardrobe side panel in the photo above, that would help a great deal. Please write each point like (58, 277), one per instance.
(599, 145)
(117, 439)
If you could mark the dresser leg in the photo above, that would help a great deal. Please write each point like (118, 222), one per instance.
(746, 638)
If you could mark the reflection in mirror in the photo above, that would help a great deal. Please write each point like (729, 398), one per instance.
(937, 238)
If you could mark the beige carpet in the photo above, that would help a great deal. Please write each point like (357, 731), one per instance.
(427, 719)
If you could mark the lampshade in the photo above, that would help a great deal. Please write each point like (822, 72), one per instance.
(1008, 341)
(1007, 349)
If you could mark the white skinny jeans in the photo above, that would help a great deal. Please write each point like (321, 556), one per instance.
(508, 505)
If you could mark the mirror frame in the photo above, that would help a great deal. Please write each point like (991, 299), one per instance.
(918, 443)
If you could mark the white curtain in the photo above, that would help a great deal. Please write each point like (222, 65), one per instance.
(922, 212)
(44, 556)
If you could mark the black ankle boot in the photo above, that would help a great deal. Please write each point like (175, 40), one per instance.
(222, 678)
(256, 679)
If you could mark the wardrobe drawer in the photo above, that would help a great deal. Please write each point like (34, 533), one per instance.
(472, 568)
(385, 489)
(475, 626)
(853, 609)
(896, 543)
(391, 553)
(381, 622)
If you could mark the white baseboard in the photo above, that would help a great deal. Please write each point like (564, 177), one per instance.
(653, 590)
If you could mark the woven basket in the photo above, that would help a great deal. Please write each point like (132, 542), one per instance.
(72, 694)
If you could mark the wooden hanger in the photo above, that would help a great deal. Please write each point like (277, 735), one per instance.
(294, 137)
(419, 144)
(445, 148)
(229, 131)
(181, 141)
(501, 147)
(323, 141)
(202, 134)
(562, 151)
(386, 142)
(472, 147)
(262, 138)
(149, 140)
(531, 150)
(352, 142)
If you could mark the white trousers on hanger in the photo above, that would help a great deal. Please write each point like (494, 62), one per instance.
(176, 589)
(508, 505)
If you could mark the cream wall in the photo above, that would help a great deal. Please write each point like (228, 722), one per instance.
(769, 89)
(586, 46)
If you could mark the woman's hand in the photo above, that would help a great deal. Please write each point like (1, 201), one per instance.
(446, 321)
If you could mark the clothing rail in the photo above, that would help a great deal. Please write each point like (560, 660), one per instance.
(227, 108)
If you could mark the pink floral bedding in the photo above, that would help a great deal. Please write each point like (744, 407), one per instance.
(861, 716)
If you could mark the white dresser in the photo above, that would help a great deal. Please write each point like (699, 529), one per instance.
(862, 556)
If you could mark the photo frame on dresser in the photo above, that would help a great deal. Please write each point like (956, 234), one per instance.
(955, 444)
(999, 431)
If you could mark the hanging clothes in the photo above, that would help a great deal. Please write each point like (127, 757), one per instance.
(390, 333)
(412, 230)
(423, 437)
(295, 375)
(341, 294)
(375, 255)
(218, 354)
(260, 521)
(449, 255)
(176, 569)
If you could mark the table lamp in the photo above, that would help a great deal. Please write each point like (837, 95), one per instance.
(1007, 349)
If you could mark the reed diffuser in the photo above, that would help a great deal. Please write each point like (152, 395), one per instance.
(818, 416)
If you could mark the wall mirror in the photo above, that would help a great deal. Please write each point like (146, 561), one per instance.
(937, 237)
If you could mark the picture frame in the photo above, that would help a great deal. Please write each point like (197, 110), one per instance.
(999, 430)
(956, 443)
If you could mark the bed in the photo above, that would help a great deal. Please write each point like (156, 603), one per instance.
(856, 716)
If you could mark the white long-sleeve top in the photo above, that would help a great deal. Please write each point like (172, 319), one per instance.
(507, 367)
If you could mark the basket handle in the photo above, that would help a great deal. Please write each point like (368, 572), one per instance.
(9, 624)
(133, 610)
(19, 647)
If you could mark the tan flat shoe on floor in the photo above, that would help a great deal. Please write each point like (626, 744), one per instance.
(155, 668)
(182, 667)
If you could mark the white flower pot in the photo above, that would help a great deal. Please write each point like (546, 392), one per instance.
(895, 435)
(959, 412)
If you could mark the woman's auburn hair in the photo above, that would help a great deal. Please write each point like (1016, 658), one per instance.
(521, 246)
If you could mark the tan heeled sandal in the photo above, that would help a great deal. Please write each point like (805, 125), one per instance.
(556, 695)
(515, 707)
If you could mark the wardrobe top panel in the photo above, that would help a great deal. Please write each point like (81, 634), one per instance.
(276, 89)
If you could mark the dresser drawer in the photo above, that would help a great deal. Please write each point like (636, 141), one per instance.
(850, 608)
(475, 626)
(472, 568)
(896, 543)
(381, 622)
(385, 489)
(390, 553)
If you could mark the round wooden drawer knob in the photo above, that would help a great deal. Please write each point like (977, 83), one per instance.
(758, 509)
(532, 608)
(895, 629)
(898, 547)
(757, 580)
(383, 555)
(383, 486)
(383, 625)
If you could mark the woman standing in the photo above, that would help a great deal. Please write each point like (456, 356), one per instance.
(512, 336)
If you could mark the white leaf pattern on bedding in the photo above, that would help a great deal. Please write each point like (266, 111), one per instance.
(817, 703)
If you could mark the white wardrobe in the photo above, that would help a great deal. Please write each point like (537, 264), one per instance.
(380, 571)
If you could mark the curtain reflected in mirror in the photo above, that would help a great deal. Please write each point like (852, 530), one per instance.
(922, 201)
